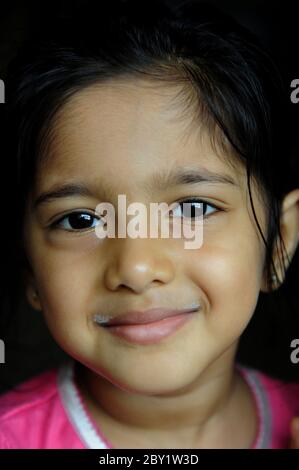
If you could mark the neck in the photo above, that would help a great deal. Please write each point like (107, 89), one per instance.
(200, 414)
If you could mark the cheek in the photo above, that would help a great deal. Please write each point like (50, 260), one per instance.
(64, 268)
(65, 284)
(65, 279)
(228, 273)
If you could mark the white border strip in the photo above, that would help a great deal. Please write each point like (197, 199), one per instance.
(265, 436)
(89, 436)
(74, 409)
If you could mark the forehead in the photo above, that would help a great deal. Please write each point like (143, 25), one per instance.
(126, 129)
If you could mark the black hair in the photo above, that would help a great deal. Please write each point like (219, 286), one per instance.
(225, 76)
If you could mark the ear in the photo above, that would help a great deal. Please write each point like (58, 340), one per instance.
(31, 291)
(289, 227)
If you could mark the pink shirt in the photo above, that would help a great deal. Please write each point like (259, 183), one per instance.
(47, 412)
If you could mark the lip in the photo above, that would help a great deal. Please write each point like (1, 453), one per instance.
(147, 327)
(153, 332)
(136, 317)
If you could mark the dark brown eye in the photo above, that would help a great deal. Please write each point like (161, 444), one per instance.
(194, 208)
(77, 221)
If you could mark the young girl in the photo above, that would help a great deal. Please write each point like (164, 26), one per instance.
(168, 105)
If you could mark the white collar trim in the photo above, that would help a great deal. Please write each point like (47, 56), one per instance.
(92, 440)
(74, 408)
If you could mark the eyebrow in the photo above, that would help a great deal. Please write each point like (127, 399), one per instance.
(63, 191)
(159, 181)
(188, 175)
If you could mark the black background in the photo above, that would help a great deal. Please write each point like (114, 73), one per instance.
(266, 343)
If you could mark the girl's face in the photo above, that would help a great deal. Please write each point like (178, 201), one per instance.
(113, 139)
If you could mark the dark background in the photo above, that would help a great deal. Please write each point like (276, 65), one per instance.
(266, 344)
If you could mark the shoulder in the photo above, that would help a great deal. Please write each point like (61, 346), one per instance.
(28, 395)
(30, 402)
(277, 403)
(282, 394)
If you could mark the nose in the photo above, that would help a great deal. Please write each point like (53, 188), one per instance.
(138, 264)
